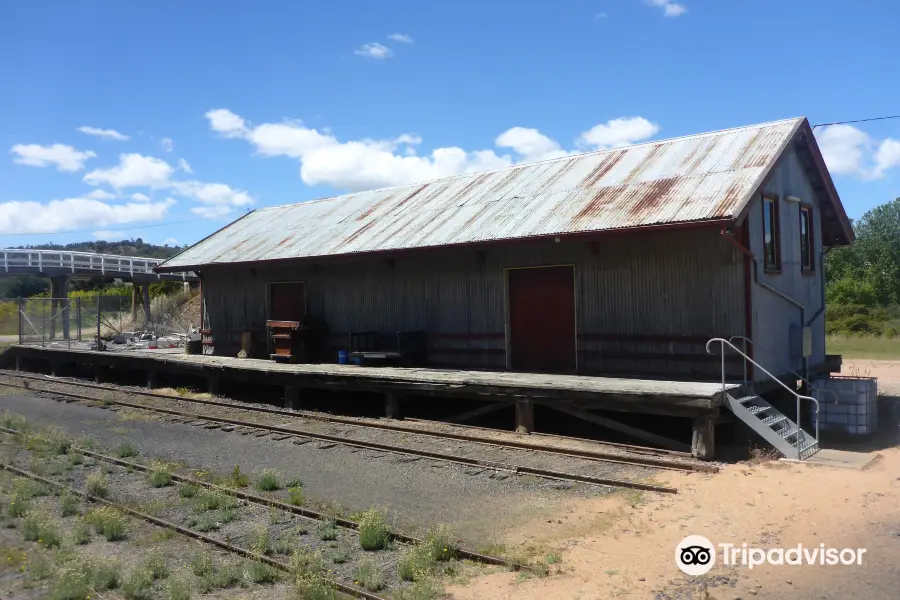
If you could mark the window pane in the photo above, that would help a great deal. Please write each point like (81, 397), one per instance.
(770, 251)
(806, 251)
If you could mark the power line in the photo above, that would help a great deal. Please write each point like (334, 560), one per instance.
(857, 121)
(95, 229)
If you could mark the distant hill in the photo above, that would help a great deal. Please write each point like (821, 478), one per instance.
(135, 247)
(25, 286)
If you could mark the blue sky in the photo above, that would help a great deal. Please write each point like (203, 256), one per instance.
(166, 120)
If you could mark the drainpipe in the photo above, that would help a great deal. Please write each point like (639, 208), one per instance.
(730, 237)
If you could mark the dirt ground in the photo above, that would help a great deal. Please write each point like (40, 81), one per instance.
(623, 545)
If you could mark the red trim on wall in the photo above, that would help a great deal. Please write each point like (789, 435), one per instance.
(619, 337)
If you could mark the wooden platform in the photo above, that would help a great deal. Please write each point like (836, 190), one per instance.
(574, 395)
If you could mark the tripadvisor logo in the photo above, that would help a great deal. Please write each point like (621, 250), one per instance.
(696, 555)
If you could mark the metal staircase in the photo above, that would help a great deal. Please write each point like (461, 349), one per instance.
(773, 426)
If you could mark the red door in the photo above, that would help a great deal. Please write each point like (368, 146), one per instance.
(542, 319)
(287, 301)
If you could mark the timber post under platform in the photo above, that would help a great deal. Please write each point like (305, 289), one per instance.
(577, 396)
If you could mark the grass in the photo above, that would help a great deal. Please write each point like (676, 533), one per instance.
(314, 587)
(422, 589)
(439, 542)
(268, 480)
(339, 556)
(369, 576)
(126, 450)
(374, 534)
(156, 563)
(295, 496)
(76, 458)
(69, 504)
(213, 520)
(178, 588)
(81, 577)
(201, 563)
(238, 478)
(553, 558)
(415, 563)
(108, 522)
(866, 347)
(225, 576)
(38, 566)
(98, 484)
(260, 543)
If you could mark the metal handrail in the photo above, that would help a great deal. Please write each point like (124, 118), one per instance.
(745, 339)
(89, 261)
(723, 342)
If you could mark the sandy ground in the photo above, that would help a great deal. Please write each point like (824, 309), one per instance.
(623, 545)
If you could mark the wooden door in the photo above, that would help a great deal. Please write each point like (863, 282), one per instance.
(287, 302)
(542, 319)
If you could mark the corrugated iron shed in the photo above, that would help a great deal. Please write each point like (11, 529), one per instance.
(688, 179)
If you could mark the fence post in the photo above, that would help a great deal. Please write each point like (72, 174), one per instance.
(99, 346)
(78, 317)
(21, 306)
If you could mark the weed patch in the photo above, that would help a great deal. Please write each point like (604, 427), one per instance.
(268, 480)
(69, 504)
(327, 531)
(127, 450)
(108, 522)
(295, 496)
(369, 576)
(260, 572)
(98, 485)
(374, 533)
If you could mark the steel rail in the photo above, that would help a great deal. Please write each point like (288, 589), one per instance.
(567, 452)
(346, 588)
(469, 462)
(297, 510)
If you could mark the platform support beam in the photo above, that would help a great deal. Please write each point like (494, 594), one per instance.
(703, 444)
(524, 415)
(54, 368)
(18, 363)
(214, 385)
(635, 432)
(99, 374)
(151, 379)
(392, 405)
(477, 412)
(292, 397)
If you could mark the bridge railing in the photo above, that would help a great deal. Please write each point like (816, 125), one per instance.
(81, 262)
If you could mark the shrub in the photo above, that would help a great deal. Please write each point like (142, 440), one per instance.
(295, 496)
(327, 531)
(260, 572)
(126, 450)
(222, 577)
(239, 479)
(374, 533)
(369, 576)
(294, 482)
(339, 555)
(201, 563)
(13, 421)
(415, 562)
(38, 566)
(213, 500)
(51, 441)
(108, 522)
(81, 532)
(69, 504)
(39, 527)
(260, 543)
(160, 476)
(439, 542)
(268, 480)
(156, 563)
(76, 458)
(79, 578)
(306, 562)
(98, 485)
(178, 588)
(188, 491)
(314, 587)
(138, 585)
(423, 588)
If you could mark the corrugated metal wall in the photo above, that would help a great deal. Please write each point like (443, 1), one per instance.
(668, 284)
(773, 317)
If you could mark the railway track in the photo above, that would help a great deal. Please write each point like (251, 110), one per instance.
(284, 506)
(286, 432)
(347, 588)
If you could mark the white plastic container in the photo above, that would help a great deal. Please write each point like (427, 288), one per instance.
(856, 409)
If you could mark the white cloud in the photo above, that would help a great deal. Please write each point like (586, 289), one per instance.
(212, 194)
(140, 197)
(170, 242)
(670, 9)
(75, 213)
(64, 158)
(110, 134)
(110, 236)
(212, 212)
(618, 132)
(185, 166)
(850, 151)
(100, 195)
(366, 163)
(400, 38)
(167, 144)
(530, 144)
(374, 50)
(133, 170)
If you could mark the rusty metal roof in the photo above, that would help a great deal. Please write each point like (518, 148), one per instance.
(681, 180)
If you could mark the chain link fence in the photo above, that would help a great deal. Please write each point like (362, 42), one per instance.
(79, 323)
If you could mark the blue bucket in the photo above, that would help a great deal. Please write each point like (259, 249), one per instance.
(343, 357)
